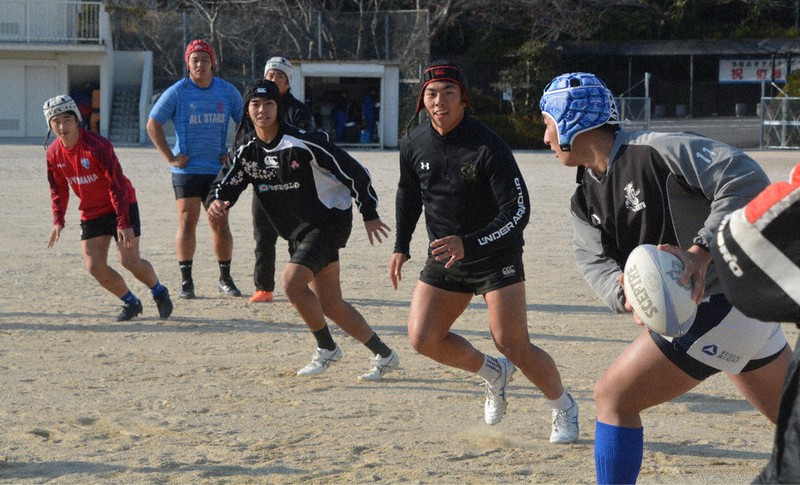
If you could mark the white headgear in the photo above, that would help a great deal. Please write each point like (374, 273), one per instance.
(60, 104)
(280, 63)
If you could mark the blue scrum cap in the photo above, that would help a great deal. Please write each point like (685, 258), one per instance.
(577, 102)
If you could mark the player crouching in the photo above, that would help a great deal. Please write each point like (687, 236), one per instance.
(86, 161)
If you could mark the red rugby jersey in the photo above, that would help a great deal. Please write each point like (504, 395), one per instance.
(92, 170)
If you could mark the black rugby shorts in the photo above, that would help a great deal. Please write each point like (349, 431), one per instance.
(192, 185)
(107, 225)
(319, 247)
(480, 276)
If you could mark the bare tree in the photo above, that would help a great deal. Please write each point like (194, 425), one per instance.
(244, 30)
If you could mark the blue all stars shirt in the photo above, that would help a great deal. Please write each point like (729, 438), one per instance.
(200, 117)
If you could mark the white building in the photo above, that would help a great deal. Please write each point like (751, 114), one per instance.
(313, 79)
(50, 47)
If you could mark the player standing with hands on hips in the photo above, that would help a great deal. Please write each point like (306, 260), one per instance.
(86, 162)
(306, 186)
(672, 190)
(476, 208)
(200, 108)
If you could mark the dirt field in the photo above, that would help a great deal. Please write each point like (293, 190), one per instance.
(211, 395)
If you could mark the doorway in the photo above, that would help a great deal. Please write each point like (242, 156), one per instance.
(346, 108)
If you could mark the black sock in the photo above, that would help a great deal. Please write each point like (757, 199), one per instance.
(324, 338)
(225, 270)
(376, 345)
(186, 269)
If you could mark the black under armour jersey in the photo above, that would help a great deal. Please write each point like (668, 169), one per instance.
(469, 185)
(659, 188)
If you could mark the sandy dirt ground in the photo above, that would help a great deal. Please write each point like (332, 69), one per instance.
(211, 395)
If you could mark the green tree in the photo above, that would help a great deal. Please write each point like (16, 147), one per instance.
(792, 87)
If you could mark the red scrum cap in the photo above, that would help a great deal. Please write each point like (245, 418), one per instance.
(199, 45)
(443, 70)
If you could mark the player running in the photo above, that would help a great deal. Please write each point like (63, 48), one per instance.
(293, 112)
(306, 186)
(476, 208)
(671, 189)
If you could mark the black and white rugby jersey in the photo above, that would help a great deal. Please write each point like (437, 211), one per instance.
(301, 179)
(659, 188)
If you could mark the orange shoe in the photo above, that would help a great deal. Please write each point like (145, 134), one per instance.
(261, 296)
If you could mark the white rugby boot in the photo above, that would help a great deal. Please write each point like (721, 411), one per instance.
(495, 406)
(321, 360)
(565, 424)
(379, 366)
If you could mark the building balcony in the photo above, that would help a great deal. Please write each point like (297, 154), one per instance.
(35, 24)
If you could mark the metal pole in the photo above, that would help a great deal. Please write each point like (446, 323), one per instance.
(763, 89)
(691, 85)
(647, 100)
(772, 75)
(185, 22)
(630, 75)
(319, 35)
(386, 19)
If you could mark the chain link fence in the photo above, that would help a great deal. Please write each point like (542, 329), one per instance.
(780, 122)
(634, 113)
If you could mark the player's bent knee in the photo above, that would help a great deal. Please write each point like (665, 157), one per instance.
(425, 346)
(514, 350)
(610, 401)
(94, 267)
(604, 396)
(293, 288)
(131, 264)
(292, 292)
(332, 308)
(100, 272)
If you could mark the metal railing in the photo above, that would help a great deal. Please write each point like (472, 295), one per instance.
(51, 21)
(780, 122)
(634, 113)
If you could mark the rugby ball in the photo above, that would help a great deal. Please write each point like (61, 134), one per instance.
(653, 290)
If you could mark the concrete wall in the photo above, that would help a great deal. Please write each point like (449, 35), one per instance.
(28, 79)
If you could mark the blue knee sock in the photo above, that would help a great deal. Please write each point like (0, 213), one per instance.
(158, 289)
(617, 453)
(129, 298)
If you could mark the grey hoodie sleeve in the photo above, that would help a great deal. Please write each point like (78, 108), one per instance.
(726, 176)
(600, 271)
